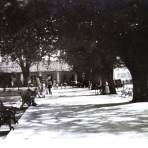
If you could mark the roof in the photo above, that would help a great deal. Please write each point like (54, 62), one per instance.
(13, 67)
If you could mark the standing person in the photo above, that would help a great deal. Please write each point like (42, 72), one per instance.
(107, 90)
(49, 84)
(90, 85)
(38, 86)
(98, 87)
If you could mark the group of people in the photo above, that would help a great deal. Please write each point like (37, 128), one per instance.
(44, 87)
(100, 87)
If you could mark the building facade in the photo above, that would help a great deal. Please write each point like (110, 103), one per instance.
(122, 74)
(11, 73)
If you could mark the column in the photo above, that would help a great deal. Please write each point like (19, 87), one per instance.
(58, 77)
(22, 78)
(76, 77)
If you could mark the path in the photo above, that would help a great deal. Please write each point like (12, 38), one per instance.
(72, 118)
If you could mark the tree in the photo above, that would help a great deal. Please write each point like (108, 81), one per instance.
(29, 45)
(125, 32)
(119, 26)
(130, 27)
(24, 38)
(84, 42)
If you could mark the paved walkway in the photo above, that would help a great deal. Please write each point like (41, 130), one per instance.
(73, 118)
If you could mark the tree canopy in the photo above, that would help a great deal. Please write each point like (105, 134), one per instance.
(91, 30)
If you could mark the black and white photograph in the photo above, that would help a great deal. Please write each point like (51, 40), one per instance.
(73, 73)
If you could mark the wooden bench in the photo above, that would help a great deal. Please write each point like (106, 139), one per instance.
(127, 92)
(7, 115)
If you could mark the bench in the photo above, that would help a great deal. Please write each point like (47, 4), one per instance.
(127, 92)
(7, 115)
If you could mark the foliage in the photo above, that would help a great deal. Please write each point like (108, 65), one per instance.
(91, 32)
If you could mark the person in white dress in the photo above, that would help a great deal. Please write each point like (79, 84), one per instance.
(107, 90)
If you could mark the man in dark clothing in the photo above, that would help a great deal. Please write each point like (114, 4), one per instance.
(28, 97)
(49, 84)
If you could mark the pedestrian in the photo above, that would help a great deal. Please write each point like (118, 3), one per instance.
(107, 90)
(49, 84)
(28, 97)
(98, 87)
(90, 85)
(39, 86)
(55, 84)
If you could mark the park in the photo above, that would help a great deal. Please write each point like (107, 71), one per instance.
(60, 72)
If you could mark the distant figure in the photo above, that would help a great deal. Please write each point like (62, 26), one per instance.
(42, 90)
(64, 84)
(39, 87)
(13, 81)
(106, 88)
(61, 85)
(28, 97)
(90, 85)
(49, 84)
(98, 87)
(38, 81)
(55, 84)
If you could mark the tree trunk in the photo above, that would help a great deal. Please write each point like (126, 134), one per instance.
(105, 75)
(26, 73)
(111, 81)
(140, 87)
(95, 76)
(26, 77)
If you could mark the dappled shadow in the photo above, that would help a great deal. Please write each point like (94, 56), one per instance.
(107, 118)
(81, 115)
(111, 104)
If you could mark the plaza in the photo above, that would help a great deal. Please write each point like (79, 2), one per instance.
(74, 117)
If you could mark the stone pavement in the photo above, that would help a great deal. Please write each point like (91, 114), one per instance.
(73, 118)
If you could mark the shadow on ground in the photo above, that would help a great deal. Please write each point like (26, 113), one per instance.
(108, 118)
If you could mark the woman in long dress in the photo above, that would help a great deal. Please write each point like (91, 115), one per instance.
(107, 90)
